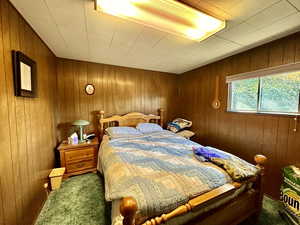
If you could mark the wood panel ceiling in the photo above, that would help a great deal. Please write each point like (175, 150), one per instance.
(74, 30)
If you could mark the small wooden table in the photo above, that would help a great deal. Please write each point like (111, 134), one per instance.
(79, 158)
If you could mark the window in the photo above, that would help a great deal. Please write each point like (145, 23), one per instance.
(278, 94)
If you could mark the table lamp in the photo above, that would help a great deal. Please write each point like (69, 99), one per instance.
(81, 124)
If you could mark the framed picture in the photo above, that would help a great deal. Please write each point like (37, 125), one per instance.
(24, 70)
(89, 89)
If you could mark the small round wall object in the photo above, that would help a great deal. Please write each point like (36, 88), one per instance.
(90, 89)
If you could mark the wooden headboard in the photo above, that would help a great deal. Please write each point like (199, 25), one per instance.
(130, 120)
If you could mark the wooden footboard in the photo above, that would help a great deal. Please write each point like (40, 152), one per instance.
(233, 212)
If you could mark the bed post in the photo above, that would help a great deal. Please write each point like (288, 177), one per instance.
(259, 185)
(161, 114)
(101, 124)
(128, 210)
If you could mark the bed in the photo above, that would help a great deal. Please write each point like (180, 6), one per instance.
(153, 179)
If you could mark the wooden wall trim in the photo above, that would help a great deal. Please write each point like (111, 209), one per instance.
(284, 68)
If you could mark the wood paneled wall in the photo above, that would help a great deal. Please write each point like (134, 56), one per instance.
(243, 134)
(27, 126)
(119, 90)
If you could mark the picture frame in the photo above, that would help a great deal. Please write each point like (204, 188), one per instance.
(25, 75)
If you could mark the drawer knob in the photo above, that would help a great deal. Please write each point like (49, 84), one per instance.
(80, 165)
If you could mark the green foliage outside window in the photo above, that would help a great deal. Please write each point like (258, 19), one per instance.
(278, 93)
(244, 95)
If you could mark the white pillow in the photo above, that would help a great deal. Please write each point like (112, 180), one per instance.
(148, 128)
(116, 132)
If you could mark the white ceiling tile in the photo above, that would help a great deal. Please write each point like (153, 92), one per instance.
(76, 46)
(73, 17)
(173, 45)
(247, 8)
(241, 10)
(252, 37)
(104, 52)
(238, 32)
(149, 37)
(272, 14)
(74, 37)
(295, 3)
(73, 29)
(97, 41)
(35, 9)
(42, 22)
(283, 27)
(51, 36)
(277, 30)
(126, 34)
(216, 46)
(98, 23)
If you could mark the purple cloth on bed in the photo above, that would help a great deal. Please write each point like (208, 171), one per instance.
(209, 153)
(237, 168)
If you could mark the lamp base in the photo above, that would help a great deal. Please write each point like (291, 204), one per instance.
(81, 140)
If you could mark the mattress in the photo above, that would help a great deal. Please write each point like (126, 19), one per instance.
(117, 219)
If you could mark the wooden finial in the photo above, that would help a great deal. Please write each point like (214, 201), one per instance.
(260, 159)
(101, 114)
(101, 123)
(161, 114)
(46, 187)
(259, 184)
(128, 210)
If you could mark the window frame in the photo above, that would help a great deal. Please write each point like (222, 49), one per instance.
(259, 102)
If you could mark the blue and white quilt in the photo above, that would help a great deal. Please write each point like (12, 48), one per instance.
(159, 170)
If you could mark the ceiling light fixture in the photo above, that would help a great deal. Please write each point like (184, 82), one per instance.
(166, 15)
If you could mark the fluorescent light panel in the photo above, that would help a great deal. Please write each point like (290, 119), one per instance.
(165, 15)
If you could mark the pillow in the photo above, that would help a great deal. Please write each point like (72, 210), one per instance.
(178, 125)
(148, 128)
(116, 132)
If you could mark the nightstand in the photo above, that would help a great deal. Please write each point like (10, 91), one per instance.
(79, 158)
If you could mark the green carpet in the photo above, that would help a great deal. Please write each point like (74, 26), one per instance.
(269, 214)
(81, 201)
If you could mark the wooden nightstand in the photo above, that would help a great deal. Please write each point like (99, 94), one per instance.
(80, 158)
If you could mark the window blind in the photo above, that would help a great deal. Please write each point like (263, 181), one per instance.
(287, 68)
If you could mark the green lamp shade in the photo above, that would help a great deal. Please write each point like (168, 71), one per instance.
(81, 123)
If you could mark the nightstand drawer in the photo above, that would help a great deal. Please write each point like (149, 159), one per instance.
(86, 153)
(73, 167)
